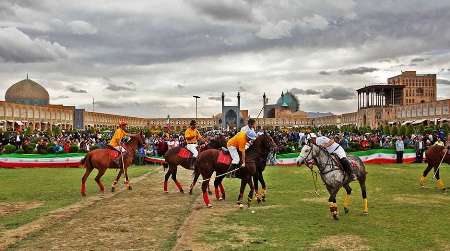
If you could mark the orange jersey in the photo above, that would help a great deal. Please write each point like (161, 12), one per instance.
(192, 136)
(239, 141)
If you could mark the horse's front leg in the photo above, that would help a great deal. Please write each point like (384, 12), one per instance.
(255, 183)
(127, 181)
(114, 184)
(241, 193)
(219, 193)
(250, 193)
(263, 186)
(332, 203)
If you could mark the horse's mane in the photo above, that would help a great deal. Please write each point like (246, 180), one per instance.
(258, 149)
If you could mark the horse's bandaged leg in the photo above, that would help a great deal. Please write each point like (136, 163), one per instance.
(179, 186)
(165, 186)
(206, 198)
(423, 179)
(216, 191)
(365, 206)
(347, 201)
(440, 184)
(83, 189)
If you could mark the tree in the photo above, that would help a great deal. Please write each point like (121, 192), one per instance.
(394, 131)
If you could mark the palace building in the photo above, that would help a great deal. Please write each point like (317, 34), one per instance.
(406, 98)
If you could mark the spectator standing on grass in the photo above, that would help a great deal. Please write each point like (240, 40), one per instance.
(399, 148)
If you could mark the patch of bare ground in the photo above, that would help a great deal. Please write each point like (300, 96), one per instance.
(16, 207)
(340, 242)
(201, 220)
(421, 199)
(142, 219)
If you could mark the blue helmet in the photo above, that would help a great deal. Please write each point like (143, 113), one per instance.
(251, 134)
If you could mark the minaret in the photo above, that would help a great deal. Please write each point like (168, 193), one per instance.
(264, 99)
(238, 119)
(223, 110)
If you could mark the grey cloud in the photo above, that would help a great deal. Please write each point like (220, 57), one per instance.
(127, 86)
(441, 81)
(76, 90)
(80, 27)
(18, 47)
(324, 73)
(61, 97)
(219, 99)
(180, 86)
(358, 70)
(224, 10)
(304, 91)
(338, 93)
(415, 60)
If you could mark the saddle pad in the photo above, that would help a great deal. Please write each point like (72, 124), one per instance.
(184, 153)
(113, 153)
(224, 158)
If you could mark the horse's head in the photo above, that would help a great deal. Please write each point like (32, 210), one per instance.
(306, 155)
(137, 139)
(265, 143)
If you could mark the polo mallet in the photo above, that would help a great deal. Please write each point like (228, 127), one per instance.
(439, 166)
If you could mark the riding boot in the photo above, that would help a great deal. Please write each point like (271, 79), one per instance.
(348, 168)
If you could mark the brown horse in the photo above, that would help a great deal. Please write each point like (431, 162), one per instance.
(258, 177)
(102, 159)
(434, 155)
(173, 160)
(207, 164)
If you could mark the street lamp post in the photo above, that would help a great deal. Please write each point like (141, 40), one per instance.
(196, 98)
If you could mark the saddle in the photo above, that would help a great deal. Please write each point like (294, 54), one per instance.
(184, 153)
(113, 152)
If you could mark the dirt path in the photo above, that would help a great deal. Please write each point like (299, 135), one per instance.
(142, 219)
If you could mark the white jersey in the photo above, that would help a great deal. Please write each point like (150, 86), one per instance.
(245, 128)
(334, 148)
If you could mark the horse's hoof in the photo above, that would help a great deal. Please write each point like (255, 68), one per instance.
(181, 191)
(220, 198)
(130, 188)
(190, 192)
(258, 200)
(335, 217)
(346, 210)
(166, 191)
(241, 206)
(83, 194)
(365, 213)
(113, 189)
(209, 206)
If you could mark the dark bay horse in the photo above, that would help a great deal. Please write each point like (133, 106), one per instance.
(173, 160)
(334, 176)
(207, 164)
(434, 155)
(102, 159)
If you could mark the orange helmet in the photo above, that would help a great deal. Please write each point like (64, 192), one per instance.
(122, 122)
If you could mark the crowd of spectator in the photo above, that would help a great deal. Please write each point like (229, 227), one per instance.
(158, 143)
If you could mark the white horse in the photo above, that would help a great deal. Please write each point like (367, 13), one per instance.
(334, 176)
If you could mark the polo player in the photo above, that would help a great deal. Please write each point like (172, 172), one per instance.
(250, 125)
(241, 141)
(332, 147)
(116, 141)
(192, 137)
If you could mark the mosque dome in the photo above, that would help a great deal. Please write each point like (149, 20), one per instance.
(27, 92)
(288, 100)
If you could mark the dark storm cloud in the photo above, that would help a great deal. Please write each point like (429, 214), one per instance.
(441, 81)
(338, 93)
(304, 91)
(324, 73)
(76, 90)
(223, 10)
(358, 70)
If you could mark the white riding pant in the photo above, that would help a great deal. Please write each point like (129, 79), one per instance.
(193, 149)
(340, 152)
(120, 149)
(234, 155)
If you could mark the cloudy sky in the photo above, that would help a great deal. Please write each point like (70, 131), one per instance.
(147, 58)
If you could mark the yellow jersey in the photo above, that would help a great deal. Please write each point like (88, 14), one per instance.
(117, 137)
(192, 136)
(239, 141)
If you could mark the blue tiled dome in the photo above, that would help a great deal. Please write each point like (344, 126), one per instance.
(289, 100)
(27, 92)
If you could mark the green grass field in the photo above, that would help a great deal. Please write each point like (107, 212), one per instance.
(402, 216)
(53, 187)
